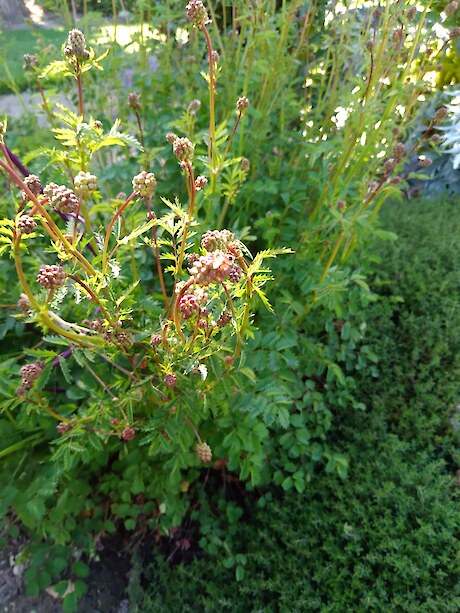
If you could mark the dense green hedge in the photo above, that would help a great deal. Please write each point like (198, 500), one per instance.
(415, 329)
(386, 538)
(383, 540)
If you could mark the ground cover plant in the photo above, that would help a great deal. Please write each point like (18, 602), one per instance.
(319, 139)
(386, 538)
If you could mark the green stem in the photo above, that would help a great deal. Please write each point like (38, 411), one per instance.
(109, 231)
(212, 121)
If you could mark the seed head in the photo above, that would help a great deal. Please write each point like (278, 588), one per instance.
(189, 304)
(245, 165)
(398, 34)
(455, 33)
(192, 258)
(224, 319)
(200, 182)
(440, 115)
(217, 239)
(62, 199)
(183, 149)
(398, 151)
(235, 274)
(396, 180)
(156, 339)
(411, 13)
(34, 184)
(204, 452)
(170, 380)
(212, 268)
(30, 373)
(451, 8)
(369, 45)
(435, 138)
(76, 45)
(133, 101)
(424, 162)
(215, 56)
(26, 225)
(242, 104)
(144, 184)
(85, 183)
(51, 276)
(197, 14)
(30, 62)
(23, 304)
(128, 434)
(63, 427)
(171, 137)
(194, 107)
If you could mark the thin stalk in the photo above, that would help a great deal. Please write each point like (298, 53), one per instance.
(212, 121)
(93, 297)
(109, 231)
(80, 259)
(157, 258)
(189, 217)
(81, 108)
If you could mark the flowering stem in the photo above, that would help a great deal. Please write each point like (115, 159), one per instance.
(81, 109)
(157, 258)
(81, 260)
(229, 142)
(189, 217)
(46, 107)
(212, 121)
(176, 314)
(44, 316)
(109, 231)
(93, 297)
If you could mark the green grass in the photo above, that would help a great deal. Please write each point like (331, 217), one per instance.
(15, 43)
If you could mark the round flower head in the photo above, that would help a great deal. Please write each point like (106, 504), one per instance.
(245, 165)
(85, 183)
(51, 276)
(170, 380)
(133, 101)
(183, 149)
(194, 107)
(398, 151)
(455, 33)
(156, 339)
(171, 137)
(424, 162)
(62, 199)
(26, 225)
(440, 115)
(76, 45)
(200, 182)
(215, 56)
(212, 268)
(144, 184)
(30, 373)
(242, 104)
(128, 434)
(23, 304)
(204, 452)
(30, 62)
(217, 239)
(34, 184)
(197, 14)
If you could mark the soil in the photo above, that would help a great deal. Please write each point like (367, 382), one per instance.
(107, 583)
